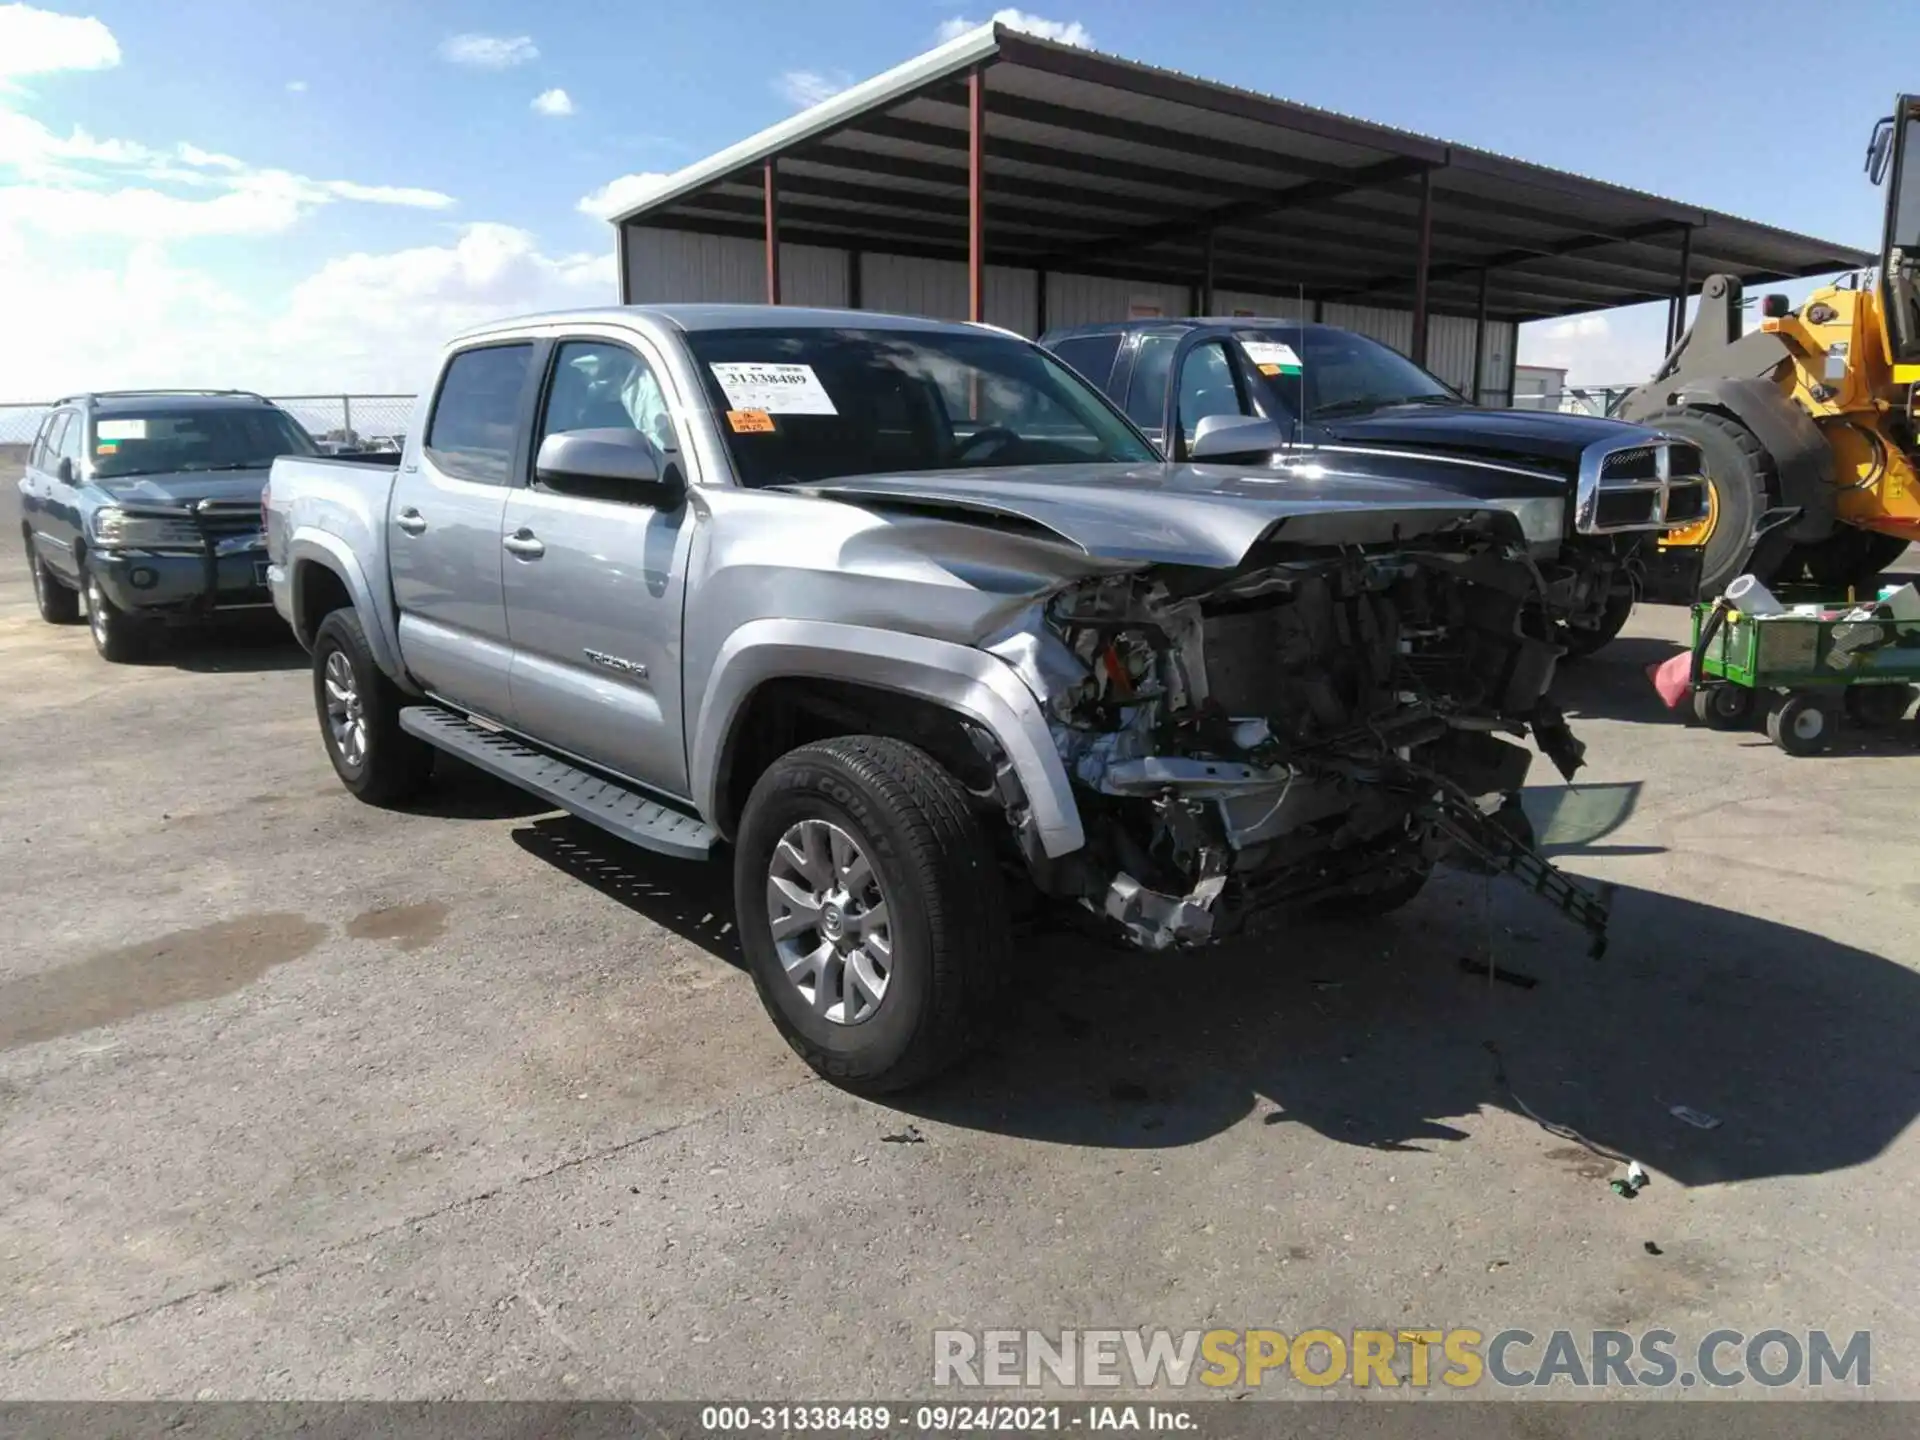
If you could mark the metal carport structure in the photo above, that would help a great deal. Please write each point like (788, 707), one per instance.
(1007, 178)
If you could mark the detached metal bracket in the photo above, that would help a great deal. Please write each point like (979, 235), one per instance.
(1501, 851)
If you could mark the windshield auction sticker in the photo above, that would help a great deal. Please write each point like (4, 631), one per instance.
(120, 430)
(1272, 357)
(750, 422)
(775, 389)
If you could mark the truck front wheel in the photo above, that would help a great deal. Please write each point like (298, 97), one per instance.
(1740, 473)
(359, 710)
(871, 910)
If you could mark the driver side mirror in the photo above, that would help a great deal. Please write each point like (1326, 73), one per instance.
(610, 464)
(63, 472)
(1220, 437)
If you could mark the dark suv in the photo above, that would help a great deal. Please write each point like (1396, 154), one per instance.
(148, 502)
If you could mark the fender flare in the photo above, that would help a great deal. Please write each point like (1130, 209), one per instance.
(1800, 452)
(970, 682)
(309, 546)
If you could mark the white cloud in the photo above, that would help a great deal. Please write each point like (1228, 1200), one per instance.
(489, 52)
(553, 102)
(622, 194)
(809, 87)
(81, 184)
(360, 322)
(1067, 32)
(1615, 348)
(296, 87)
(39, 42)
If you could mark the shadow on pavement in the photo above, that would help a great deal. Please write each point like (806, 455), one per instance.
(692, 899)
(1373, 1036)
(232, 647)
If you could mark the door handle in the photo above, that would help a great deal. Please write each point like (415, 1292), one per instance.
(524, 543)
(411, 521)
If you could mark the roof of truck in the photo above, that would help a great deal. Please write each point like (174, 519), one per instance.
(1192, 322)
(694, 318)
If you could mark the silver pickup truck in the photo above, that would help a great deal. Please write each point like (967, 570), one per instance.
(916, 623)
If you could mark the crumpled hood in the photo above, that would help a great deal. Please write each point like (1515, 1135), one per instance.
(1204, 515)
(1540, 436)
(182, 488)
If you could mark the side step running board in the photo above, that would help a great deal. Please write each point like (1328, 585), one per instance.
(606, 803)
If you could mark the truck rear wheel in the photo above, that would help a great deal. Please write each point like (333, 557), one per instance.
(359, 710)
(1743, 481)
(871, 910)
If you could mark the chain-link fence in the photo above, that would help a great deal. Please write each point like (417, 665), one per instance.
(336, 422)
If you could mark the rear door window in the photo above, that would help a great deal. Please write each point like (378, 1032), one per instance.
(1091, 355)
(40, 457)
(476, 415)
(1147, 394)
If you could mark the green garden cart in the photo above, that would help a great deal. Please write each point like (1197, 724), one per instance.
(1806, 667)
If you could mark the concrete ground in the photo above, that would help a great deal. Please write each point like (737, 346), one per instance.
(303, 1099)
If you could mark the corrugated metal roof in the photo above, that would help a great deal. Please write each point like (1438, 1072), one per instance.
(1103, 166)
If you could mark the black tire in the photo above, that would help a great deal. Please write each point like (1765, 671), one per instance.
(1800, 723)
(57, 604)
(1878, 706)
(1848, 559)
(117, 636)
(1723, 707)
(1744, 481)
(949, 937)
(1582, 641)
(391, 766)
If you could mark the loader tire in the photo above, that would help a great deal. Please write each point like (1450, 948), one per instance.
(1744, 482)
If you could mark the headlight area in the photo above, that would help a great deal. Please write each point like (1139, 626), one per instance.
(1315, 731)
(117, 529)
(1543, 518)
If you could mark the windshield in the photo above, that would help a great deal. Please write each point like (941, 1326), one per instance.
(816, 404)
(1341, 372)
(162, 441)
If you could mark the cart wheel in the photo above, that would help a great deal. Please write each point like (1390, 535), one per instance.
(1878, 705)
(1723, 707)
(1800, 724)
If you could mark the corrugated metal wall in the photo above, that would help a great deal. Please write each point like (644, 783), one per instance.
(680, 265)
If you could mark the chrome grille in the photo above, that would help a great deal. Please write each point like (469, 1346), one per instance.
(1639, 487)
(1640, 463)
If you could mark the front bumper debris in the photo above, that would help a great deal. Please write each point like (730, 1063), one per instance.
(1497, 850)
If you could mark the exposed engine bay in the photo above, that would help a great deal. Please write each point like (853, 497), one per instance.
(1319, 725)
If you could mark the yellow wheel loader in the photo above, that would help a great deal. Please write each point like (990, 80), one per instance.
(1815, 410)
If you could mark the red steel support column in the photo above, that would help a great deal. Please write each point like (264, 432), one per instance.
(976, 195)
(1422, 259)
(772, 185)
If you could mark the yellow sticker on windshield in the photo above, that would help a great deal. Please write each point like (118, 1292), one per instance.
(750, 422)
(1269, 369)
(106, 447)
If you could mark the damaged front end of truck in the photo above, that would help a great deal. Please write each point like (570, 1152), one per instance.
(1318, 726)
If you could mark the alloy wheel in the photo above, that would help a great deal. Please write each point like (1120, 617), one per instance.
(831, 925)
(346, 717)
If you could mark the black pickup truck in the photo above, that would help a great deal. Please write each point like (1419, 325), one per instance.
(1592, 495)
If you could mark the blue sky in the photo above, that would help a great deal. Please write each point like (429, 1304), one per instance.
(358, 178)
